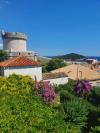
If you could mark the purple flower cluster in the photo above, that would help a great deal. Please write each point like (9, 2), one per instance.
(45, 89)
(87, 86)
(82, 87)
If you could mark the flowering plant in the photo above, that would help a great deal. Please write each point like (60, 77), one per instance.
(46, 90)
(82, 88)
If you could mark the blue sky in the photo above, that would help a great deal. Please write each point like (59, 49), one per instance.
(55, 27)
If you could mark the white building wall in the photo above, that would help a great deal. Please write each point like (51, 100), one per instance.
(15, 45)
(95, 83)
(58, 81)
(30, 71)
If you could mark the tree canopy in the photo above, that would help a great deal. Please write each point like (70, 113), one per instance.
(54, 64)
(3, 55)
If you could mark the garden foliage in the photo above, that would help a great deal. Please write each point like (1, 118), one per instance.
(23, 112)
(82, 88)
(45, 90)
(82, 110)
(24, 108)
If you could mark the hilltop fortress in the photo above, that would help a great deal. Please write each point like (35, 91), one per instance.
(15, 44)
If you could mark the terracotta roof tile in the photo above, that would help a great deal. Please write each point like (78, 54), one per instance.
(75, 71)
(47, 76)
(19, 61)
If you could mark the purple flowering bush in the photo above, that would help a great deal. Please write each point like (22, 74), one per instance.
(82, 88)
(46, 90)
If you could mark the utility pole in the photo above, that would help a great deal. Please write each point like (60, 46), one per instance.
(77, 72)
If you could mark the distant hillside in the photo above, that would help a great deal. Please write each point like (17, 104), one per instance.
(71, 56)
(43, 58)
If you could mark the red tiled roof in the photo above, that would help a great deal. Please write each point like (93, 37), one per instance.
(76, 71)
(47, 76)
(19, 61)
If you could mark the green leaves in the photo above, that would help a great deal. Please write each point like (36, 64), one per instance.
(24, 112)
(54, 64)
(3, 55)
(21, 111)
(76, 112)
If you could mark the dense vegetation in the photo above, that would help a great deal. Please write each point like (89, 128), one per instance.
(58, 61)
(53, 64)
(23, 111)
(3, 55)
(84, 112)
(71, 56)
(25, 107)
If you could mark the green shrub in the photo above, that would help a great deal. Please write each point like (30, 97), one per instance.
(19, 80)
(3, 55)
(23, 112)
(27, 114)
(72, 128)
(93, 122)
(54, 64)
(95, 96)
(16, 84)
(65, 96)
(95, 129)
(97, 90)
(76, 112)
(68, 87)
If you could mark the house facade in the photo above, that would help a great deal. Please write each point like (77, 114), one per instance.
(55, 78)
(23, 66)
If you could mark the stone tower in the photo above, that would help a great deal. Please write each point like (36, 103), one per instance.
(14, 41)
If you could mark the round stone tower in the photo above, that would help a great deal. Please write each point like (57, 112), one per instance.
(14, 41)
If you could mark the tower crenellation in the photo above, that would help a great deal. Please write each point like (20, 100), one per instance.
(15, 43)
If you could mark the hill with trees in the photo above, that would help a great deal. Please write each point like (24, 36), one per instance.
(71, 56)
